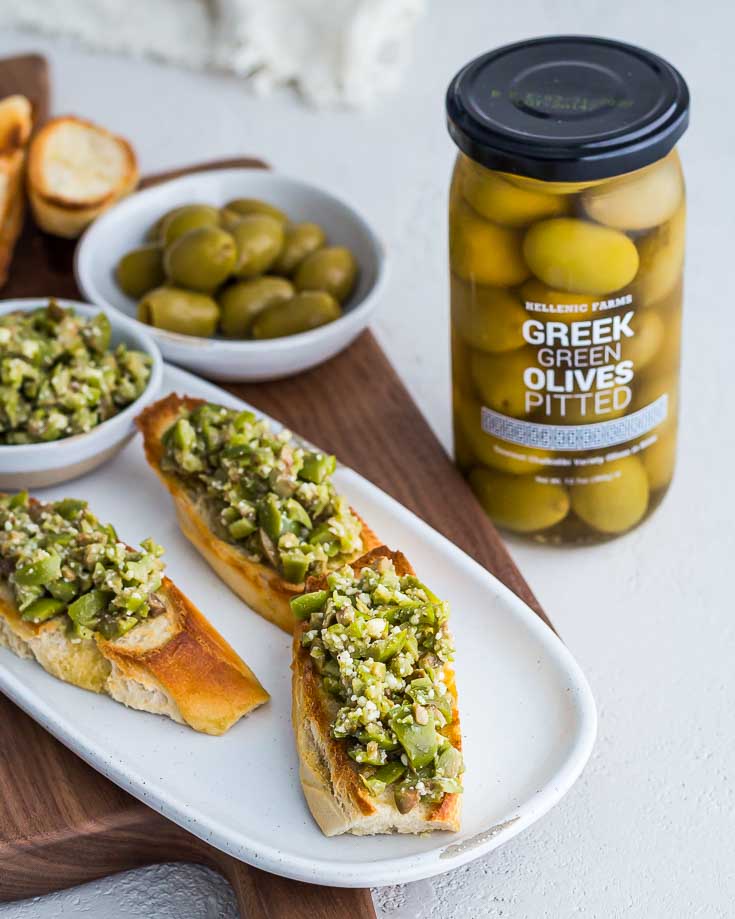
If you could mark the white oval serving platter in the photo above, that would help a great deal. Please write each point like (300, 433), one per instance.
(528, 716)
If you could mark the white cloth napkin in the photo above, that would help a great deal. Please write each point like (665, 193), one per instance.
(336, 52)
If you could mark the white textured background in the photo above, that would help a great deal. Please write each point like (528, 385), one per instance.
(648, 831)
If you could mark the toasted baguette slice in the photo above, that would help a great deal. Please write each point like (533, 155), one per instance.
(76, 170)
(336, 796)
(15, 130)
(16, 121)
(174, 664)
(262, 588)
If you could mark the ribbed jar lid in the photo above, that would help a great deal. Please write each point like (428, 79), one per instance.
(567, 108)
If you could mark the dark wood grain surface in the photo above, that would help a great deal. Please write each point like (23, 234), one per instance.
(61, 823)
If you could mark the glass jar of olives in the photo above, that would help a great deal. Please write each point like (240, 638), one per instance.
(566, 250)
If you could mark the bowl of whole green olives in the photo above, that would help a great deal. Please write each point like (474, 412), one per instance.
(239, 274)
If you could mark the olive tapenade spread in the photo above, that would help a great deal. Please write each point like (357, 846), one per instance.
(58, 559)
(263, 491)
(58, 376)
(380, 642)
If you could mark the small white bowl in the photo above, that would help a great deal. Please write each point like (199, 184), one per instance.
(123, 227)
(38, 465)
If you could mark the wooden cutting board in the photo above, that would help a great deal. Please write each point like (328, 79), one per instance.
(61, 823)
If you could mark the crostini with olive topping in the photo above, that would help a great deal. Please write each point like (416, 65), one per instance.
(97, 613)
(374, 701)
(259, 506)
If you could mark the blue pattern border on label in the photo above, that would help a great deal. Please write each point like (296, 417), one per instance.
(573, 437)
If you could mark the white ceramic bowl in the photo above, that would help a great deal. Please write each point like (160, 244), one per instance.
(37, 465)
(123, 227)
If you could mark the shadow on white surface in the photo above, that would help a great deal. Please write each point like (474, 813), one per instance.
(164, 891)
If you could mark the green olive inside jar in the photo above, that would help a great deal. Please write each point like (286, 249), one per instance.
(567, 221)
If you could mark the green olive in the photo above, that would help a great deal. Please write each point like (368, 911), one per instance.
(301, 240)
(485, 253)
(461, 373)
(201, 259)
(332, 269)
(140, 270)
(307, 310)
(662, 261)
(178, 310)
(549, 188)
(647, 341)
(659, 459)
(246, 207)
(519, 502)
(491, 450)
(640, 200)
(504, 203)
(464, 456)
(582, 257)
(499, 379)
(666, 360)
(242, 301)
(229, 219)
(186, 218)
(613, 496)
(650, 388)
(153, 233)
(259, 240)
(488, 318)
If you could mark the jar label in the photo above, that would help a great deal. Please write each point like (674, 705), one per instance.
(581, 371)
(576, 437)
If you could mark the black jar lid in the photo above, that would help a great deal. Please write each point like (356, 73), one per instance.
(567, 108)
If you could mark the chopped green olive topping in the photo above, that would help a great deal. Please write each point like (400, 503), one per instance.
(42, 570)
(303, 606)
(386, 775)
(43, 609)
(58, 559)
(418, 738)
(58, 376)
(264, 491)
(380, 642)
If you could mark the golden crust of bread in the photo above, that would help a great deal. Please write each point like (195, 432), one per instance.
(336, 796)
(15, 130)
(79, 663)
(16, 121)
(210, 684)
(175, 663)
(13, 209)
(67, 211)
(262, 588)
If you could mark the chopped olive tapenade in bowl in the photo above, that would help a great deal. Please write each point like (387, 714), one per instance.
(72, 379)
